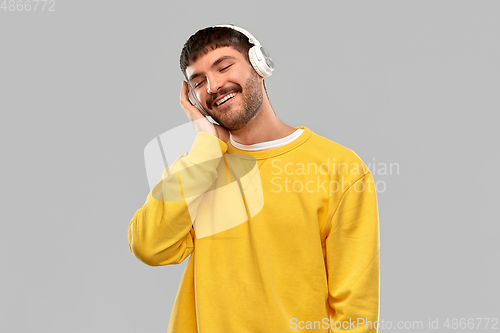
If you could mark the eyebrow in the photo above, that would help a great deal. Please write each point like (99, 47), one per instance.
(216, 62)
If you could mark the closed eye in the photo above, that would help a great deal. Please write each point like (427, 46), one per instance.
(223, 69)
(196, 85)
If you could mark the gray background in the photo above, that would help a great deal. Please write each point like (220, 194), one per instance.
(85, 88)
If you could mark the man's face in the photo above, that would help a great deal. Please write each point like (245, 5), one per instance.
(226, 86)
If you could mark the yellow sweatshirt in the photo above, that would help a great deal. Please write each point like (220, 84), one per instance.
(279, 240)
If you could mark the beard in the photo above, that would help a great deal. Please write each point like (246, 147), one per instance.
(236, 119)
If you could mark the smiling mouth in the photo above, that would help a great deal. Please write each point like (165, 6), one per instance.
(224, 99)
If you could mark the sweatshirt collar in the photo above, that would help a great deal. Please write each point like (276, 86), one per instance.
(267, 153)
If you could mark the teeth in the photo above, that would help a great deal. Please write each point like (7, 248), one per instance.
(231, 95)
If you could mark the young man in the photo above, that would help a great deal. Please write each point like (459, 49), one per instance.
(281, 224)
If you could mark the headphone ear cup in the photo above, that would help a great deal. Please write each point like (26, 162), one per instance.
(258, 61)
(254, 63)
(194, 100)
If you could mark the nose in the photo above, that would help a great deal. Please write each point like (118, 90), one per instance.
(213, 84)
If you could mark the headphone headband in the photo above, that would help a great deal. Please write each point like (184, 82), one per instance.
(250, 37)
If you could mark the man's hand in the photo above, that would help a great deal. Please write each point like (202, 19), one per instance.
(199, 121)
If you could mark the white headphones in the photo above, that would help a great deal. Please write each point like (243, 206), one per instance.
(259, 57)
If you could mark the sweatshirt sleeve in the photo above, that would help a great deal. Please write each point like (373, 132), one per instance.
(352, 258)
(161, 231)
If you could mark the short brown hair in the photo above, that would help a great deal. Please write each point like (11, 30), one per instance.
(209, 39)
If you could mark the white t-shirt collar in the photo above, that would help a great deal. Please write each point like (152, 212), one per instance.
(267, 144)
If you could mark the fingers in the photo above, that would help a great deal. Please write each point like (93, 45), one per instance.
(191, 111)
(184, 95)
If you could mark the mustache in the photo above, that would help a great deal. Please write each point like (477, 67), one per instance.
(221, 92)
